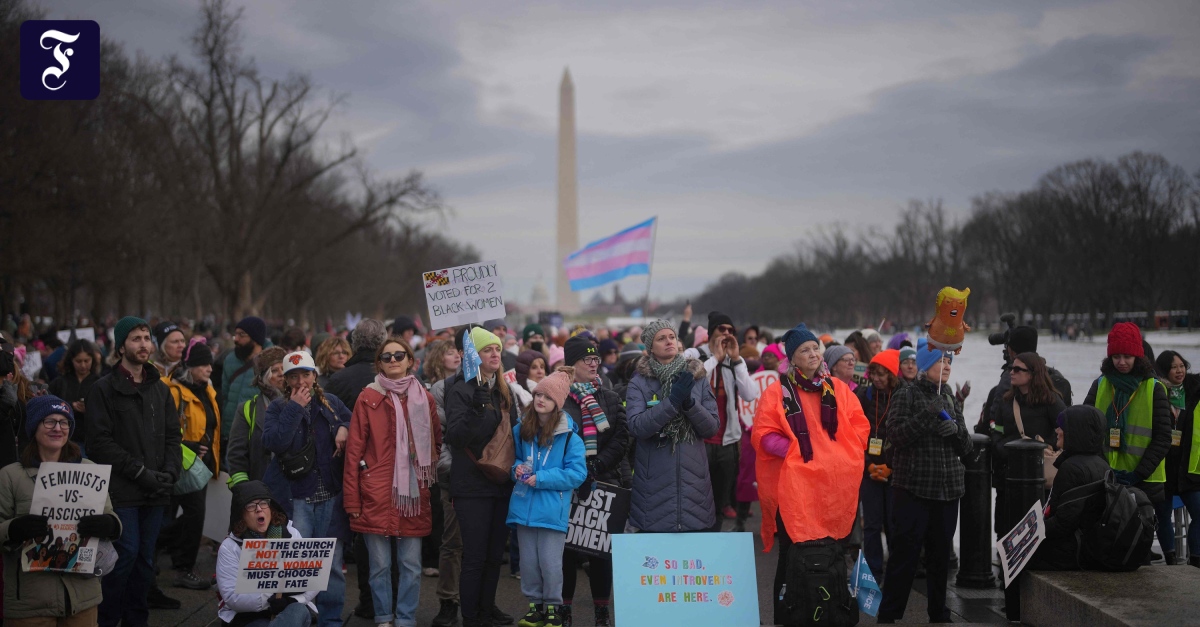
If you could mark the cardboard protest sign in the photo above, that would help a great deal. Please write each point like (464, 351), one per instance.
(64, 493)
(285, 565)
(762, 380)
(217, 502)
(693, 579)
(510, 376)
(1018, 546)
(866, 589)
(594, 520)
(86, 333)
(462, 295)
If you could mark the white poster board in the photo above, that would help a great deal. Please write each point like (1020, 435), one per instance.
(217, 502)
(762, 380)
(86, 333)
(464, 294)
(285, 565)
(1017, 547)
(64, 493)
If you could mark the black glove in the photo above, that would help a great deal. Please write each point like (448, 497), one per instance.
(947, 428)
(278, 604)
(482, 397)
(103, 526)
(681, 390)
(27, 527)
(148, 481)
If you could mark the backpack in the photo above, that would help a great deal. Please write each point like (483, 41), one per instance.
(816, 590)
(1121, 537)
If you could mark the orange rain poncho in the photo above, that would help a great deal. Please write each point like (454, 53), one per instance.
(818, 499)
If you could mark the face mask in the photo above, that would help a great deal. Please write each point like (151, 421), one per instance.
(513, 350)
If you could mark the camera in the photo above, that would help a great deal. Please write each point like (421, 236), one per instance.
(1000, 338)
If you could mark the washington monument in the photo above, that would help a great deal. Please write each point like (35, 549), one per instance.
(568, 195)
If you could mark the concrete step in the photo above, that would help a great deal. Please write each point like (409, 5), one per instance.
(1151, 596)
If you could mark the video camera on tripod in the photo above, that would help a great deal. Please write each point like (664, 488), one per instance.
(1000, 338)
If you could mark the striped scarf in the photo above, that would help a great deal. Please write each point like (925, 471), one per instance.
(593, 418)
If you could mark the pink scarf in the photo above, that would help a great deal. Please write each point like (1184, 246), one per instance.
(406, 484)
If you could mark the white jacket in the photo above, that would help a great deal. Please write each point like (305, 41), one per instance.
(737, 385)
(232, 603)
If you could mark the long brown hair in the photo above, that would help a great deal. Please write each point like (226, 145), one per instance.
(412, 359)
(31, 458)
(433, 369)
(1041, 386)
(531, 426)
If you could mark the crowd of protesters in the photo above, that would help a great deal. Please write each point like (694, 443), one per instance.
(854, 442)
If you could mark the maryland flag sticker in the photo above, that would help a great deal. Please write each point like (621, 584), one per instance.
(439, 278)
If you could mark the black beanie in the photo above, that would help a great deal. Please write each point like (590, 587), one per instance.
(162, 330)
(577, 348)
(255, 328)
(247, 492)
(198, 354)
(1023, 340)
(716, 319)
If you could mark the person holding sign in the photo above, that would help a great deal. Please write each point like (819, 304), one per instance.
(254, 515)
(36, 596)
(548, 465)
(394, 444)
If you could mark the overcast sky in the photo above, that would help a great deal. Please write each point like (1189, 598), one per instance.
(741, 125)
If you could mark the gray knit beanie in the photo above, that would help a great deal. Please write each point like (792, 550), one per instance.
(652, 330)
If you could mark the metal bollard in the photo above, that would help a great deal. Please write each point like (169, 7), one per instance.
(1025, 484)
(975, 516)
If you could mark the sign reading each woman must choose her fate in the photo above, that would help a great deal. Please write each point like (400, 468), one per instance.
(464, 294)
(285, 565)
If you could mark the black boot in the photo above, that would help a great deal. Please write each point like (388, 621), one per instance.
(564, 613)
(446, 617)
(157, 600)
(602, 615)
(1194, 561)
(1169, 557)
(499, 617)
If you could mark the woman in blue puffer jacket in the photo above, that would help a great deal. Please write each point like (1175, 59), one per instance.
(549, 466)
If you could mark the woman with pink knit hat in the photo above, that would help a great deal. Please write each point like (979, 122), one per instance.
(1138, 412)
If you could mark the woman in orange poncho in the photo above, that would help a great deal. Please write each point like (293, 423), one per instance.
(809, 433)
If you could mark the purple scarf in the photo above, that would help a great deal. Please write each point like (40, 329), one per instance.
(796, 382)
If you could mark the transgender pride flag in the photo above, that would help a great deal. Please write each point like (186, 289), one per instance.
(615, 257)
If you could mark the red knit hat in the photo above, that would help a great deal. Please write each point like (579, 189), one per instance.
(557, 385)
(889, 359)
(1125, 338)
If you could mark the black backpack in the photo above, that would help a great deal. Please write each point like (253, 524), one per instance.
(1121, 537)
(817, 591)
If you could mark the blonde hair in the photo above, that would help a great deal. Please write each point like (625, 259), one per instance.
(950, 292)
(325, 351)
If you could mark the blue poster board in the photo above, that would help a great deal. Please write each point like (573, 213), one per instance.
(692, 579)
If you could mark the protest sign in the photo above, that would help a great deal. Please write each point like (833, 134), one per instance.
(510, 376)
(64, 493)
(594, 520)
(217, 501)
(86, 333)
(1018, 546)
(462, 295)
(693, 579)
(285, 565)
(866, 589)
(470, 359)
(762, 380)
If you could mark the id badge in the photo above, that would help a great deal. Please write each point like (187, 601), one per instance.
(1114, 438)
(875, 446)
(1176, 437)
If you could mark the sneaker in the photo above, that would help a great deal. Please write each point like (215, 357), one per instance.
(564, 614)
(188, 579)
(156, 599)
(728, 512)
(362, 610)
(532, 618)
(447, 616)
(516, 575)
(499, 617)
(602, 616)
(431, 572)
(553, 619)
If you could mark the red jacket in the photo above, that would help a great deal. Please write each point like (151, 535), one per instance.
(369, 492)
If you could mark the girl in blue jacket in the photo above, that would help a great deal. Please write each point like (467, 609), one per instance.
(549, 466)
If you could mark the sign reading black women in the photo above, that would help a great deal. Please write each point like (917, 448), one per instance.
(595, 518)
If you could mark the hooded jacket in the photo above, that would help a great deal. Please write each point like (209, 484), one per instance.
(1160, 441)
(559, 470)
(738, 388)
(1082, 463)
(247, 460)
(193, 418)
(672, 491)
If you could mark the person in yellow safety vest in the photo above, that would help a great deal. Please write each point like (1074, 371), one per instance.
(200, 420)
(1183, 462)
(1138, 413)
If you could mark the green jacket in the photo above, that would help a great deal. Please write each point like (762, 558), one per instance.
(29, 595)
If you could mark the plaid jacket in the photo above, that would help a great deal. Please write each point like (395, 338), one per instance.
(923, 462)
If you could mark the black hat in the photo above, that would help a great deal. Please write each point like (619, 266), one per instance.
(1023, 340)
(401, 324)
(248, 492)
(197, 354)
(716, 319)
(162, 330)
(255, 328)
(577, 348)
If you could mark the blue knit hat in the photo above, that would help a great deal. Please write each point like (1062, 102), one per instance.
(797, 336)
(39, 407)
(927, 358)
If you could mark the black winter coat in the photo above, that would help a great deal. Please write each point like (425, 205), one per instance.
(470, 426)
(129, 427)
(1039, 420)
(875, 404)
(1160, 442)
(69, 388)
(348, 383)
(1179, 480)
(610, 464)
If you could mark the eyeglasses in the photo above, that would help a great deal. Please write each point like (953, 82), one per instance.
(591, 361)
(848, 359)
(1019, 370)
(257, 505)
(50, 425)
(724, 328)
(396, 356)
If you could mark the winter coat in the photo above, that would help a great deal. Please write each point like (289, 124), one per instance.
(559, 470)
(1179, 477)
(193, 418)
(246, 459)
(609, 464)
(71, 389)
(12, 422)
(446, 458)
(130, 428)
(1085, 440)
(471, 427)
(28, 595)
(1039, 420)
(924, 463)
(285, 429)
(348, 383)
(672, 491)
(819, 498)
(369, 492)
(996, 396)
(1160, 442)
(235, 392)
(875, 405)
(229, 565)
(738, 388)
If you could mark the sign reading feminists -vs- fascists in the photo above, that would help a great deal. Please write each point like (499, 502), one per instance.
(595, 518)
(285, 565)
(462, 295)
(64, 493)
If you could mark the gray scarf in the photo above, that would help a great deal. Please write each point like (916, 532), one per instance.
(679, 429)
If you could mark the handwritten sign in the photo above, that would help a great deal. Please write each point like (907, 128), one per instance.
(64, 493)
(594, 520)
(285, 565)
(693, 579)
(1017, 546)
(462, 295)
(762, 380)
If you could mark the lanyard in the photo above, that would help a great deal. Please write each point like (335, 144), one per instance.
(540, 461)
(1127, 404)
(878, 418)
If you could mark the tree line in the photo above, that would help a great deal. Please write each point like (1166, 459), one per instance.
(1092, 241)
(201, 185)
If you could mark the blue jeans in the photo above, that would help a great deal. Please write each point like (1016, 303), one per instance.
(1166, 522)
(296, 615)
(326, 520)
(876, 499)
(408, 592)
(541, 564)
(126, 586)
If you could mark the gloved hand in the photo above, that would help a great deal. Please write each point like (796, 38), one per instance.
(961, 392)
(947, 428)
(279, 604)
(481, 398)
(28, 527)
(681, 390)
(148, 481)
(1126, 477)
(165, 479)
(103, 526)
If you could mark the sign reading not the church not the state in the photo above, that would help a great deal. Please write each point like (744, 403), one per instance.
(464, 294)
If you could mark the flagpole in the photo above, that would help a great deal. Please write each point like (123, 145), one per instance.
(650, 273)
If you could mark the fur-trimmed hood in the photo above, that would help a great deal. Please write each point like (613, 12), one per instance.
(694, 366)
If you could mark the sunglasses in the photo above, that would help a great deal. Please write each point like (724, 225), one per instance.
(396, 356)
(1019, 370)
(724, 328)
